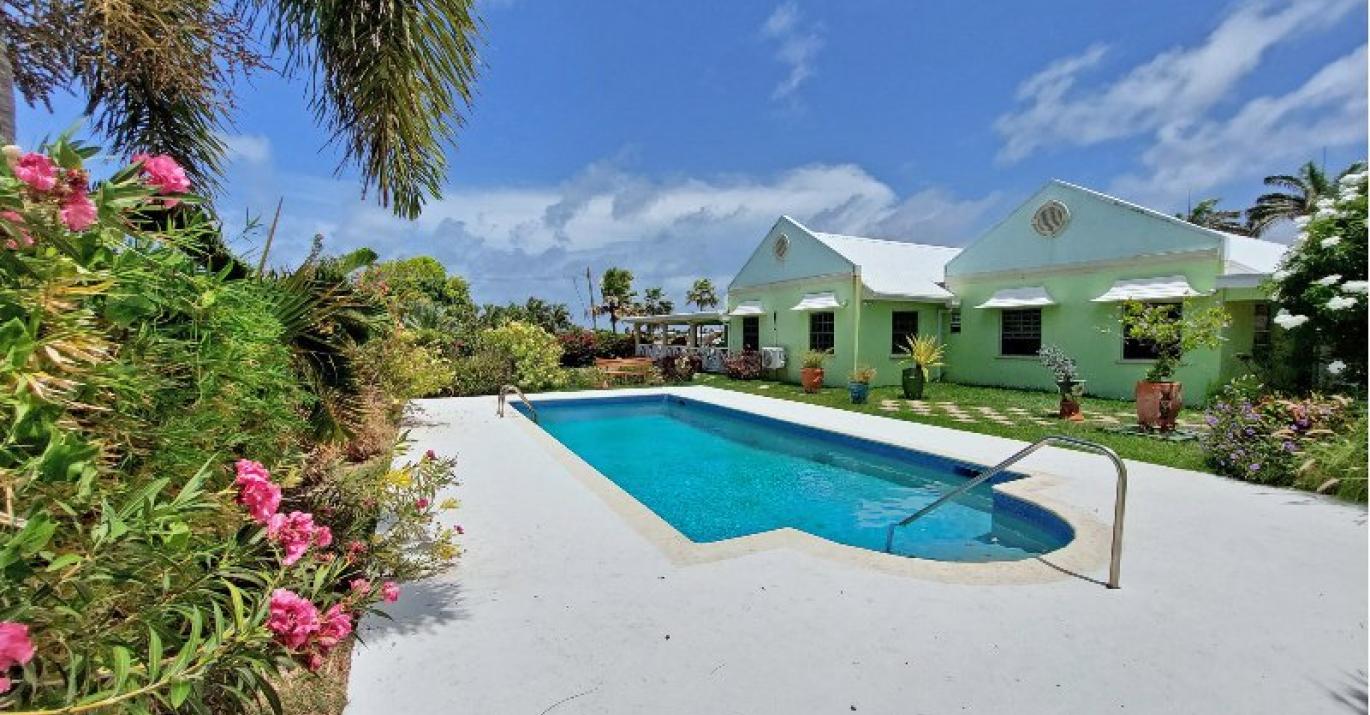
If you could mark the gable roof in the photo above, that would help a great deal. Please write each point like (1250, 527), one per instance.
(895, 269)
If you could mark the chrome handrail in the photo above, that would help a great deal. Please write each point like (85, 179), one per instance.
(1119, 502)
(504, 394)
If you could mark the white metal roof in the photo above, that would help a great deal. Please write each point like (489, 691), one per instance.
(895, 269)
(748, 307)
(1026, 297)
(826, 300)
(1160, 288)
(1246, 255)
(672, 318)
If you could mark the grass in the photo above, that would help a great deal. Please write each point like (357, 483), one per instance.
(1184, 455)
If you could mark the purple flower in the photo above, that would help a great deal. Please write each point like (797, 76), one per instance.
(1255, 467)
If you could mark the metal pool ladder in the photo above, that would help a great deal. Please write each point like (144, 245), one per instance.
(503, 398)
(1119, 502)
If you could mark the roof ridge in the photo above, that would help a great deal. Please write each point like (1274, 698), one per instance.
(883, 240)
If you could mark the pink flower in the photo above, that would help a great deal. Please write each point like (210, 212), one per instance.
(421, 504)
(337, 625)
(458, 528)
(390, 591)
(355, 548)
(430, 455)
(163, 172)
(314, 662)
(360, 585)
(37, 171)
(293, 619)
(15, 649)
(294, 533)
(323, 536)
(256, 492)
(78, 212)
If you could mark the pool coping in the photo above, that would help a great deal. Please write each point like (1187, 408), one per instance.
(1084, 554)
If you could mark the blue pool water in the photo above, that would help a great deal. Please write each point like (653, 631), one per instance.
(715, 473)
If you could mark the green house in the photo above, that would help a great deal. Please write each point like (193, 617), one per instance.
(1054, 271)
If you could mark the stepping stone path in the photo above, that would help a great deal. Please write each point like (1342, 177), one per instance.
(1014, 416)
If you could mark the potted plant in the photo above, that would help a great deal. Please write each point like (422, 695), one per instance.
(811, 372)
(925, 353)
(860, 386)
(1068, 381)
(1159, 396)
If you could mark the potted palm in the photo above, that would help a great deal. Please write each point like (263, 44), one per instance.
(860, 386)
(1172, 333)
(1068, 381)
(811, 371)
(925, 353)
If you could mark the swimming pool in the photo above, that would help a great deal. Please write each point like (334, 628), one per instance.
(715, 473)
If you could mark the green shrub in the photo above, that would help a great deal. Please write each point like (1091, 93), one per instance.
(533, 353)
(577, 348)
(609, 344)
(405, 366)
(1338, 464)
(1263, 438)
(585, 378)
(481, 373)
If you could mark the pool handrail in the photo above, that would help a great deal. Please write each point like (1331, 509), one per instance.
(1119, 503)
(504, 394)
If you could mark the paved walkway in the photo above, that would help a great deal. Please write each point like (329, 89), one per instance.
(1235, 598)
(1017, 416)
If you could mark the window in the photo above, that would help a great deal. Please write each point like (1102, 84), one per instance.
(955, 320)
(1138, 349)
(903, 325)
(751, 333)
(820, 331)
(1020, 331)
(1260, 330)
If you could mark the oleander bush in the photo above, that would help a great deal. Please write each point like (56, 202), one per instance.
(577, 348)
(678, 368)
(533, 353)
(147, 564)
(609, 344)
(745, 365)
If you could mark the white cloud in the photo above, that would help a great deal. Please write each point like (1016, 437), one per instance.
(797, 47)
(1176, 86)
(250, 148)
(1329, 109)
(512, 242)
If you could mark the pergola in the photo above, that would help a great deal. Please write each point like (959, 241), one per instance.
(691, 321)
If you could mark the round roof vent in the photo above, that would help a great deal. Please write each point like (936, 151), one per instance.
(781, 247)
(1051, 218)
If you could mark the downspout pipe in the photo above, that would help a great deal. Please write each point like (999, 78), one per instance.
(856, 319)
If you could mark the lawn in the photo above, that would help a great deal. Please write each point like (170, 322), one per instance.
(1042, 405)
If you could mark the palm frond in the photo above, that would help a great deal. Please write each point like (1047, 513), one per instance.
(390, 80)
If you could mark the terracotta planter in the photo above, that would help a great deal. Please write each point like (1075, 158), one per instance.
(1070, 400)
(811, 378)
(1158, 404)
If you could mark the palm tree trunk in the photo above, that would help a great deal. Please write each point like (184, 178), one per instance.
(7, 119)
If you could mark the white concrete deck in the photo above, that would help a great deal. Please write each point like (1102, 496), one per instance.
(1235, 598)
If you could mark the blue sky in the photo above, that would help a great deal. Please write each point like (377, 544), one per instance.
(666, 137)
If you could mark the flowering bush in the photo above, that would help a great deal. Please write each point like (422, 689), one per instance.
(577, 348)
(745, 365)
(1262, 438)
(678, 368)
(1320, 286)
(127, 582)
(534, 353)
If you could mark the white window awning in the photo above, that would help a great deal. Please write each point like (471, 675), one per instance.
(1163, 288)
(1028, 297)
(748, 307)
(818, 301)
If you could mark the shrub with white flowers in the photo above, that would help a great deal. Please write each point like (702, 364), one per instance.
(1320, 287)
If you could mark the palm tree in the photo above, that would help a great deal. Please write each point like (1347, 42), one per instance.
(702, 294)
(655, 302)
(1299, 198)
(1207, 214)
(616, 294)
(388, 79)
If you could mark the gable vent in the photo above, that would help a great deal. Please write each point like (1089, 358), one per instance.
(1051, 218)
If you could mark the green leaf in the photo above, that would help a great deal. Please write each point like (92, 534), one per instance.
(121, 658)
(63, 561)
(154, 654)
(179, 692)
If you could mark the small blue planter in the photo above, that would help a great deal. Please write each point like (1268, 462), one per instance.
(859, 392)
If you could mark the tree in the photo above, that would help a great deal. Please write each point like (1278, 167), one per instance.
(655, 302)
(1320, 288)
(388, 79)
(702, 294)
(616, 292)
(1299, 198)
(1207, 214)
